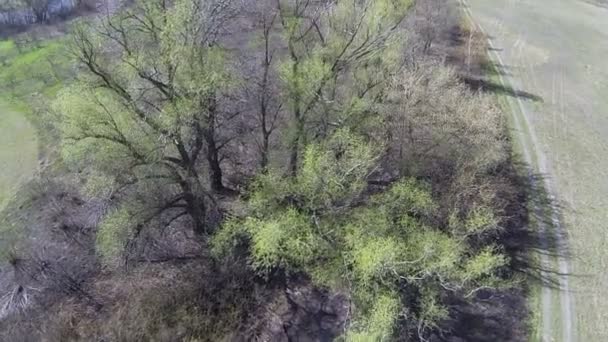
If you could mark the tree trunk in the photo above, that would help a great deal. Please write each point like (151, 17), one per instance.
(297, 113)
(215, 170)
(295, 145)
(197, 210)
(293, 157)
(265, 133)
(265, 146)
(213, 159)
(193, 194)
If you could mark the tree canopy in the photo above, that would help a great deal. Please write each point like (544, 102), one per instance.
(144, 112)
(379, 187)
(385, 248)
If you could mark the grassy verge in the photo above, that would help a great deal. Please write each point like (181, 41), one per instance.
(539, 205)
(18, 151)
(533, 288)
(31, 74)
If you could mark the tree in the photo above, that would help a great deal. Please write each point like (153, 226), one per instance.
(437, 126)
(432, 19)
(268, 107)
(339, 56)
(440, 130)
(40, 8)
(146, 113)
(386, 249)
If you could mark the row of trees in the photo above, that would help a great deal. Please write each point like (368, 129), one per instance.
(40, 8)
(43, 10)
(371, 172)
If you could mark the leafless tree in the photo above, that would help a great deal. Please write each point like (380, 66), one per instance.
(40, 8)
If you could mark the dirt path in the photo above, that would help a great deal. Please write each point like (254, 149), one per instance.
(536, 159)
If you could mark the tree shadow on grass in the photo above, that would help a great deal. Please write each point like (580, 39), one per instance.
(485, 85)
(529, 238)
(528, 235)
(491, 68)
(537, 244)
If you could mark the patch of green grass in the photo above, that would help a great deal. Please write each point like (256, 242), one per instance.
(18, 152)
(7, 48)
(33, 68)
(535, 317)
(31, 75)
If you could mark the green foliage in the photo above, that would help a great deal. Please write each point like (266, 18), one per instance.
(228, 239)
(338, 63)
(113, 234)
(142, 114)
(480, 219)
(483, 264)
(18, 152)
(98, 131)
(33, 68)
(302, 78)
(286, 241)
(8, 50)
(136, 119)
(431, 310)
(267, 192)
(380, 321)
(374, 258)
(408, 197)
(321, 223)
(335, 171)
(99, 185)
(31, 74)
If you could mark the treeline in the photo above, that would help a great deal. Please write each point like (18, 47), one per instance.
(278, 140)
(26, 12)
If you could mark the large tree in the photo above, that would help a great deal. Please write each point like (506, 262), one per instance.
(144, 116)
(340, 53)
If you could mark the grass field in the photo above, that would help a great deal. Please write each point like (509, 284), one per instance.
(18, 151)
(556, 50)
(31, 73)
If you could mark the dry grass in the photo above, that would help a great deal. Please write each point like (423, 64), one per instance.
(161, 302)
